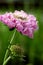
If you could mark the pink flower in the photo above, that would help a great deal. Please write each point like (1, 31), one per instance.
(8, 19)
(23, 22)
(26, 23)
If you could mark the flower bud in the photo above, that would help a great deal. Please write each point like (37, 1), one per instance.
(16, 50)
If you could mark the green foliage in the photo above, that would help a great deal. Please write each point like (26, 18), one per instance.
(33, 47)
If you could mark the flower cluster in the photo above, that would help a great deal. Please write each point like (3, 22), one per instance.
(23, 22)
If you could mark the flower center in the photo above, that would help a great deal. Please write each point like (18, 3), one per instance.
(19, 16)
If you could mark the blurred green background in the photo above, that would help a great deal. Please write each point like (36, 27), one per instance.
(33, 47)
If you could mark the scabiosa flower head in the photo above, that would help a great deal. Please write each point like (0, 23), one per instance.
(26, 23)
(23, 22)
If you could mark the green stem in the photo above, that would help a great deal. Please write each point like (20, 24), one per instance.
(7, 51)
(13, 37)
(5, 62)
(6, 54)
